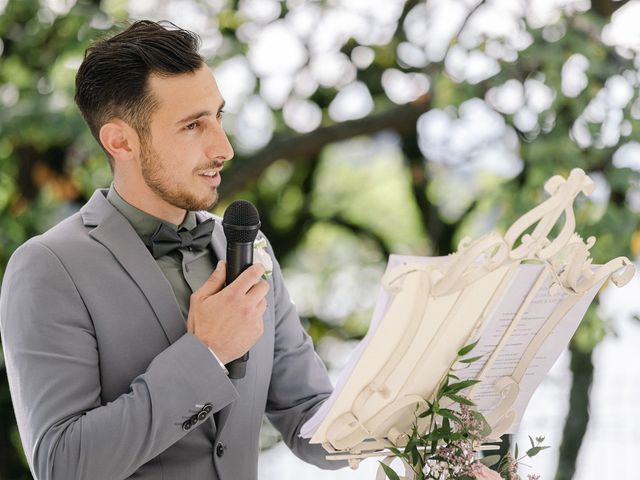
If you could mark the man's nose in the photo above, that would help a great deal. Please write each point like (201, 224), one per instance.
(219, 147)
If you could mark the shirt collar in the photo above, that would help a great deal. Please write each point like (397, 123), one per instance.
(144, 223)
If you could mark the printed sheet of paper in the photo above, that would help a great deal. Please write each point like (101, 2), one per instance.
(508, 360)
(498, 321)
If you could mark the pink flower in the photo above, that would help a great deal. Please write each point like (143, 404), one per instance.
(482, 472)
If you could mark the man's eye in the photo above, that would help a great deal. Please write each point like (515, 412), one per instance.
(191, 126)
(220, 114)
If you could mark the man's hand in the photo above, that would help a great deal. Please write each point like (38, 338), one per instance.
(229, 319)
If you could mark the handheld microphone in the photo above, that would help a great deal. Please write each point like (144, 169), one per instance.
(240, 224)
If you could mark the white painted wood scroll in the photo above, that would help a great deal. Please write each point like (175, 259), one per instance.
(521, 295)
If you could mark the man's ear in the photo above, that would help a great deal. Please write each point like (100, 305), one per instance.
(120, 140)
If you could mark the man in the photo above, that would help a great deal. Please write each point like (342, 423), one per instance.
(116, 346)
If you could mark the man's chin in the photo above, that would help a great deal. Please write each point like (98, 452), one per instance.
(205, 199)
(194, 203)
(213, 202)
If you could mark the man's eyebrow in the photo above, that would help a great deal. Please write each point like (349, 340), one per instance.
(202, 113)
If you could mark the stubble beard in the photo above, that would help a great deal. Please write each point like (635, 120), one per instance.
(159, 180)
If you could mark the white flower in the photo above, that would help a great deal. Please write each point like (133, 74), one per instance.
(260, 255)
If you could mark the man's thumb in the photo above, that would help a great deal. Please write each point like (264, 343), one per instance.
(216, 280)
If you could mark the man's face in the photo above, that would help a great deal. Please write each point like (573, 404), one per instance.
(183, 154)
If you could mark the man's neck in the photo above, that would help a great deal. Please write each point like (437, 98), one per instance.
(143, 198)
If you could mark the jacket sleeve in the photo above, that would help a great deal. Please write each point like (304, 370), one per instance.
(299, 380)
(53, 368)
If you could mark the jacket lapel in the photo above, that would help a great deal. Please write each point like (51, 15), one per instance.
(114, 232)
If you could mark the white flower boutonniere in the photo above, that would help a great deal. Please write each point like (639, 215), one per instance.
(260, 255)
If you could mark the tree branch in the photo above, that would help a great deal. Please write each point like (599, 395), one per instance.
(302, 148)
(360, 230)
(408, 6)
(605, 8)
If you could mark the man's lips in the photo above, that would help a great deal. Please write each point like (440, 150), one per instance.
(212, 177)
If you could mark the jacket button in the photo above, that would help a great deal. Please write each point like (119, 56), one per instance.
(194, 419)
(207, 408)
(186, 425)
(202, 415)
(220, 448)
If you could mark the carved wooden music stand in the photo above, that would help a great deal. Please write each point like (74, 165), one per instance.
(434, 308)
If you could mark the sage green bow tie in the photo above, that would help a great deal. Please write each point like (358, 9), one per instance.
(166, 239)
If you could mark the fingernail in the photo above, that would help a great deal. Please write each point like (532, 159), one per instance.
(219, 265)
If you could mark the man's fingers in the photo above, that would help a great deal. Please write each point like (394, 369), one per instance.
(215, 282)
(262, 306)
(248, 278)
(191, 324)
(258, 291)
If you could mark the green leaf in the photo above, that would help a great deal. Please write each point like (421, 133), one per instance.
(533, 451)
(450, 414)
(467, 348)
(478, 416)
(460, 400)
(444, 384)
(391, 475)
(411, 444)
(415, 456)
(471, 359)
(485, 430)
(446, 424)
(490, 460)
(456, 387)
(443, 433)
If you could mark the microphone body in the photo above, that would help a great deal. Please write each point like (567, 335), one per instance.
(239, 258)
(241, 223)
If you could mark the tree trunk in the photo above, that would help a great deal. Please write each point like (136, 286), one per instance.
(577, 420)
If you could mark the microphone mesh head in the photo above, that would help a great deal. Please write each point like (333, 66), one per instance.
(241, 222)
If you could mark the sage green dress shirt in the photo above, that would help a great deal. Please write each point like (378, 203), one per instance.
(186, 269)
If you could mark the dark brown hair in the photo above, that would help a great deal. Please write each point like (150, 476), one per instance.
(112, 79)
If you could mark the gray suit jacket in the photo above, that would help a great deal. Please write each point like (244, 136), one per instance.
(103, 374)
